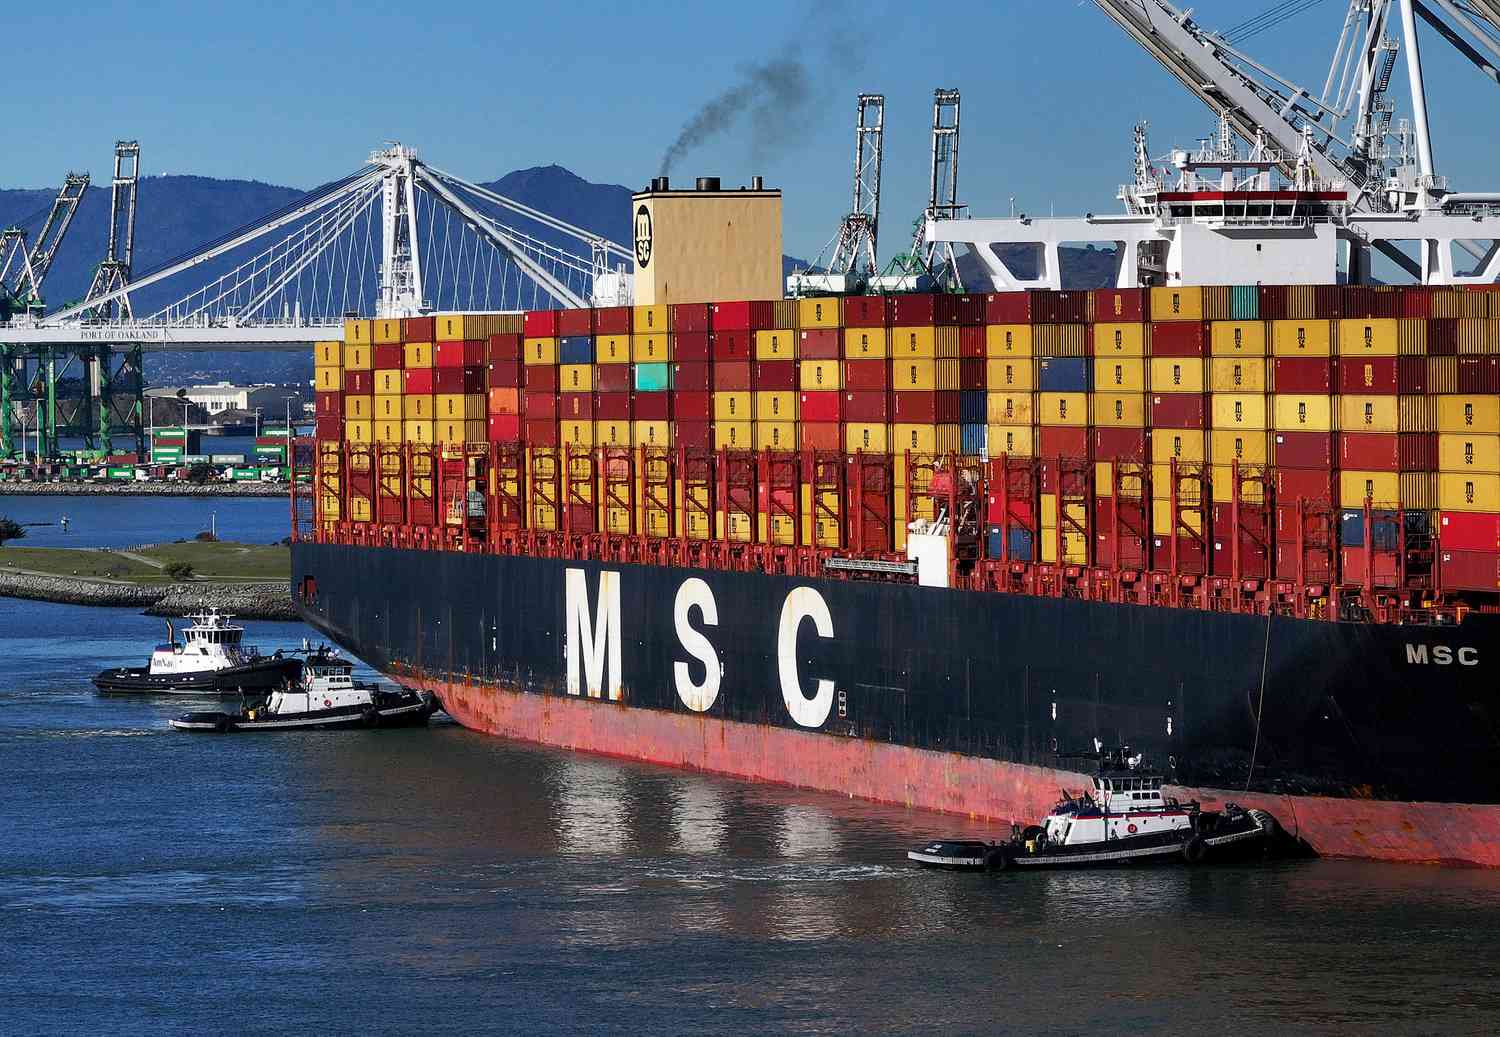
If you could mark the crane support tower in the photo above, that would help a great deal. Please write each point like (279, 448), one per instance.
(937, 258)
(855, 253)
(106, 377)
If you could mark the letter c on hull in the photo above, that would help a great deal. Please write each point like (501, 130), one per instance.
(697, 697)
(803, 603)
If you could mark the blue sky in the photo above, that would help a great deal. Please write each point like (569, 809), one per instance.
(297, 94)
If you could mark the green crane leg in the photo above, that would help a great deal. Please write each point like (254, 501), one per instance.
(138, 414)
(49, 420)
(102, 360)
(7, 376)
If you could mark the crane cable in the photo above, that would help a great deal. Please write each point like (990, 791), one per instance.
(1268, 19)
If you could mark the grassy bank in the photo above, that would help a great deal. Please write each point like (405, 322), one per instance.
(215, 562)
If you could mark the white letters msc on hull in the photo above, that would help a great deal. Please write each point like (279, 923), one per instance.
(803, 603)
(588, 638)
(697, 697)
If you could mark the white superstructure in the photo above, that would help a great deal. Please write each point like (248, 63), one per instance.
(210, 643)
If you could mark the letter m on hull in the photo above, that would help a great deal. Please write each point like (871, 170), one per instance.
(593, 636)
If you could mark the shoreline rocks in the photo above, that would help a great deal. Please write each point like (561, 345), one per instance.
(142, 489)
(248, 600)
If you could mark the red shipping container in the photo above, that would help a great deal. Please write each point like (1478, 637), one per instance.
(418, 329)
(542, 433)
(1189, 555)
(1367, 376)
(329, 428)
(732, 376)
(503, 374)
(1179, 338)
(504, 428)
(776, 375)
(613, 320)
(1310, 484)
(688, 316)
(1469, 531)
(1418, 451)
(1328, 301)
(503, 347)
(1055, 442)
(971, 372)
(1469, 570)
(1273, 301)
(1370, 451)
(1178, 410)
(651, 406)
(504, 401)
(1120, 444)
(732, 345)
(742, 316)
(419, 381)
(329, 405)
(576, 406)
(575, 322)
(692, 345)
(541, 323)
(867, 405)
(971, 341)
(822, 406)
(693, 406)
(960, 309)
(1021, 511)
(913, 310)
(359, 383)
(446, 380)
(1442, 336)
(613, 406)
(541, 406)
(1120, 305)
(541, 377)
(1416, 301)
(1476, 374)
(612, 378)
(692, 376)
(867, 374)
(1305, 449)
(387, 357)
(819, 344)
(1007, 308)
(1382, 567)
(694, 435)
(1132, 545)
(915, 406)
(459, 354)
(820, 435)
(866, 311)
(1411, 374)
(1048, 307)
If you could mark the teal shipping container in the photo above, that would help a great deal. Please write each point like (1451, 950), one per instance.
(1244, 302)
(653, 377)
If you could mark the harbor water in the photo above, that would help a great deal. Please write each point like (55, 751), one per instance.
(440, 881)
(125, 521)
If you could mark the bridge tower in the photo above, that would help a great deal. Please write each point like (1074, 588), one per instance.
(401, 261)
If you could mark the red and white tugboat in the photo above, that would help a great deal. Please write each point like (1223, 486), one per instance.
(1125, 819)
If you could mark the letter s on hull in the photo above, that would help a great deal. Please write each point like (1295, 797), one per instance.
(697, 697)
(803, 603)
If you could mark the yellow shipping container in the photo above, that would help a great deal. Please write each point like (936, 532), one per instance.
(536, 351)
(1246, 447)
(1246, 338)
(423, 408)
(924, 439)
(1120, 410)
(328, 379)
(1239, 410)
(1062, 408)
(612, 433)
(1478, 413)
(1114, 340)
(912, 374)
(358, 331)
(776, 406)
(459, 431)
(821, 312)
(1010, 375)
(329, 354)
(1411, 337)
(388, 431)
(815, 375)
(359, 408)
(359, 431)
(776, 345)
(612, 349)
(1382, 488)
(1367, 414)
(1185, 445)
(1302, 337)
(575, 378)
(361, 509)
(457, 406)
(1162, 523)
(576, 433)
(653, 348)
(1468, 453)
(1367, 337)
(734, 434)
(418, 431)
(1002, 340)
(416, 354)
(386, 331)
(915, 342)
(1014, 440)
(1233, 374)
(357, 358)
(775, 435)
(863, 343)
(1468, 491)
(1302, 413)
(450, 327)
(733, 406)
(329, 507)
(1074, 546)
(651, 433)
(1181, 303)
(1119, 374)
(1176, 374)
(870, 437)
(1009, 408)
(388, 382)
(647, 319)
(947, 343)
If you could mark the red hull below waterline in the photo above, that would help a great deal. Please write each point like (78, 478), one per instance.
(1428, 833)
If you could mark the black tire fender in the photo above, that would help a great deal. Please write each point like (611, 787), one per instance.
(996, 859)
(222, 725)
(371, 717)
(1194, 850)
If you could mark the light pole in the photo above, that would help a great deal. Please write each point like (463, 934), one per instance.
(257, 422)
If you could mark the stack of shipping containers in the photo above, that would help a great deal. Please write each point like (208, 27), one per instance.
(1129, 428)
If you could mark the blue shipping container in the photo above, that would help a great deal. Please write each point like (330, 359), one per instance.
(575, 349)
(1063, 374)
(971, 439)
(1383, 527)
(1020, 544)
(971, 407)
(653, 377)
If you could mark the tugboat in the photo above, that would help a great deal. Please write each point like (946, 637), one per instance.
(1124, 820)
(211, 659)
(327, 696)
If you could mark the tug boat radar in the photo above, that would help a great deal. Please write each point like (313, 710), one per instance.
(1125, 819)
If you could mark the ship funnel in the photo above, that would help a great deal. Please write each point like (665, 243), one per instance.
(757, 183)
(708, 183)
(660, 183)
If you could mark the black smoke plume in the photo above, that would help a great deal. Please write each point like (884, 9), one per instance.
(770, 94)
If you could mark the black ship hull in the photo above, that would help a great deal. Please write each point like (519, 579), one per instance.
(259, 677)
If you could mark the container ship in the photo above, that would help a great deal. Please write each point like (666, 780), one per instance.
(923, 547)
